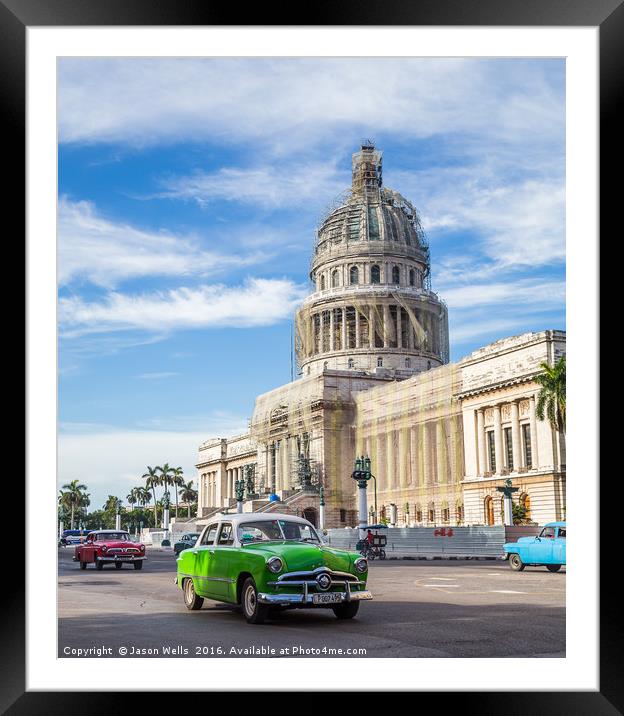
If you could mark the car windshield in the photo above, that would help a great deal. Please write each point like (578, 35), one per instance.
(105, 536)
(268, 530)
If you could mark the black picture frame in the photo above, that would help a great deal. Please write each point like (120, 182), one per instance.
(17, 15)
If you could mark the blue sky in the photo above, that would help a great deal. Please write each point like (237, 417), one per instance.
(189, 192)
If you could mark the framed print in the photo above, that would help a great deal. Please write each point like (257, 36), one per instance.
(299, 302)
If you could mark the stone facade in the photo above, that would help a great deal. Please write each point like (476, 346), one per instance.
(376, 381)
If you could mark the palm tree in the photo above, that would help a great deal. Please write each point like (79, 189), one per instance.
(166, 475)
(132, 497)
(111, 504)
(178, 472)
(188, 495)
(142, 494)
(551, 401)
(73, 497)
(151, 481)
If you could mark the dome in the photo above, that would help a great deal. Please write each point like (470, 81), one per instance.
(370, 216)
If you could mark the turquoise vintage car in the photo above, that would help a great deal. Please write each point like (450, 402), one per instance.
(548, 549)
(270, 561)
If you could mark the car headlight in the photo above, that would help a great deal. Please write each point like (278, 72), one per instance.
(104, 548)
(142, 548)
(361, 564)
(275, 565)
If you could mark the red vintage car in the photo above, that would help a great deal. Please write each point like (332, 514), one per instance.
(113, 546)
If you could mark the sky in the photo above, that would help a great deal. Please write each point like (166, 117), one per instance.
(189, 194)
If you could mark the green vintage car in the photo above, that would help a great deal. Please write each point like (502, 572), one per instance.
(270, 561)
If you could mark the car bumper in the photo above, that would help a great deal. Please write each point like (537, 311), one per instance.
(308, 599)
(118, 558)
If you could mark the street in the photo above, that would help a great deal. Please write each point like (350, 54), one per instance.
(420, 609)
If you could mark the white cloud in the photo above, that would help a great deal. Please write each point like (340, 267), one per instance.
(518, 293)
(111, 460)
(258, 302)
(267, 186)
(290, 104)
(105, 252)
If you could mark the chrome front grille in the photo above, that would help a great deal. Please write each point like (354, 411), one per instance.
(307, 580)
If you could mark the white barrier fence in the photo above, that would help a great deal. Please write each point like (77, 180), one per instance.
(442, 542)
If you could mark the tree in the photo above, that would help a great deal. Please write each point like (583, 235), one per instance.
(132, 498)
(73, 498)
(152, 479)
(188, 495)
(551, 401)
(178, 481)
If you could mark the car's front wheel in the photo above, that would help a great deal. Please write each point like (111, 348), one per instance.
(138, 565)
(347, 610)
(118, 565)
(254, 612)
(516, 564)
(99, 564)
(83, 565)
(191, 600)
(553, 567)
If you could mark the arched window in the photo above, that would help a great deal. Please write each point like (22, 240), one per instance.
(325, 365)
(354, 275)
(335, 279)
(459, 512)
(375, 274)
(412, 277)
(379, 362)
(310, 514)
(396, 275)
(488, 506)
(431, 512)
(351, 363)
(322, 283)
(525, 503)
(418, 513)
(408, 363)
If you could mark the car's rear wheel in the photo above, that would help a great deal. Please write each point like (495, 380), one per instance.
(254, 612)
(118, 565)
(382, 554)
(553, 567)
(99, 564)
(191, 600)
(516, 564)
(83, 565)
(347, 610)
(138, 565)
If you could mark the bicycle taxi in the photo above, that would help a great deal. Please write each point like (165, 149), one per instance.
(374, 549)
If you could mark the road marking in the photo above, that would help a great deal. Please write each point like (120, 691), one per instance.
(441, 586)
(445, 579)
(506, 591)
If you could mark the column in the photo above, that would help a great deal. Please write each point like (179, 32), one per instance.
(498, 439)
(413, 438)
(390, 450)
(285, 460)
(345, 345)
(533, 423)
(482, 467)
(357, 328)
(515, 436)
(331, 330)
(386, 325)
(425, 475)
(272, 463)
(321, 331)
(404, 457)
(371, 326)
(399, 328)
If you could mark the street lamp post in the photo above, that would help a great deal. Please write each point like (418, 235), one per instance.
(166, 503)
(118, 516)
(239, 488)
(362, 475)
(322, 508)
(507, 491)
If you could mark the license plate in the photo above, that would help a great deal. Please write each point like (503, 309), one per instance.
(326, 598)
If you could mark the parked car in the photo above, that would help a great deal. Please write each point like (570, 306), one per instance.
(187, 540)
(548, 549)
(270, 561)
(70, 537)
(109, 546)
